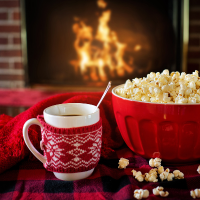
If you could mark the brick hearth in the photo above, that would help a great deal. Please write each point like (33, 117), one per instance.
(11, 68)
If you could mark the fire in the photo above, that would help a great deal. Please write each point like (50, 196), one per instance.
(100, 53)
(101, 3)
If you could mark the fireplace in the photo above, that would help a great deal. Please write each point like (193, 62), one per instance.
(88, 43)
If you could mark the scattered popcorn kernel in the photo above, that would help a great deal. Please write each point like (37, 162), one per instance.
(164, 175)
(164, 194)
(138, 175)
(173, 88)
(134, 172)
(156, 191)
(198, 169)
(140, 193)
(170, 177)
(123, 163)
(145, 193)
(195, 193)
(155, 162)
(178, 174)
(151, 177)
(153, 171)
(192, 194)
(160, 169)
(159, 191)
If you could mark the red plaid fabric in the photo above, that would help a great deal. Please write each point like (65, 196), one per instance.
(29, 180)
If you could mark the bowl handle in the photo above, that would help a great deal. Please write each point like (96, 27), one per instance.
(26, 126)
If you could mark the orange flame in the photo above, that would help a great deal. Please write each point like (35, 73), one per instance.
(100, 51)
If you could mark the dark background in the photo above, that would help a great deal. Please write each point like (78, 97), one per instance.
(50, 37)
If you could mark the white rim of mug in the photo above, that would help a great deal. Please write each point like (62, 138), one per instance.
(44, 112)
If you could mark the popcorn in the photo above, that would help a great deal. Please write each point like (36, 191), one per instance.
(198, 169)
(166, 98)
(151, 176)
(153, 171)
(183, 74)
(123, 163)
(191, 100)
(134, 172)
(195, 73)
(145, 98)
(155, 162)
(178, 174)
(138, 175)
(128, 84)
(159, 191)
(140, 193)
(164, 174)
(160, 169)
(195, 193)
(170, 177)
(192, 85)
(165, 72)
(163, 88)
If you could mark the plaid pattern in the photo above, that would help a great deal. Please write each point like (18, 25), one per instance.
(29, 180)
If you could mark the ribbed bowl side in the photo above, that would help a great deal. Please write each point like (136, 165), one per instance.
(170, 131)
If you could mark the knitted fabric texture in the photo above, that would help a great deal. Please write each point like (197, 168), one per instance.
(13, 148)
(70, 150)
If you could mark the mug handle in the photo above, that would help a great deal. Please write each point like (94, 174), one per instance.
(26, 126)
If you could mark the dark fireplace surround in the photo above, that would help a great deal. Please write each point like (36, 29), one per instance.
(142, 36)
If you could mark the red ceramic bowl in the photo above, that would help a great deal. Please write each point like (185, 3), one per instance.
(168, 131)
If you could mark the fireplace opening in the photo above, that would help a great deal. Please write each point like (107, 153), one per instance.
(88, 43)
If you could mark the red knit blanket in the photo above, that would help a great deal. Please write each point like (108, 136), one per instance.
(13, 148)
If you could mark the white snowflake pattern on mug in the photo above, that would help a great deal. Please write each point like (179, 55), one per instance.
(54, 151)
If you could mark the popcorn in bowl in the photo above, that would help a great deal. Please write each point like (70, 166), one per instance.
(167, 127)
(163, 88)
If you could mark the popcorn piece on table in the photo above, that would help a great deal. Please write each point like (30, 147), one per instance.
(164, 175)
(160, 169)
(178, 174)
(153, 171)
(198, 169)
(159, 191)
(170, 177)
(138, 175)
(195, 193)
(123, 163)
(151, 176)
(140, 193)
(134, 172)
(155, 162)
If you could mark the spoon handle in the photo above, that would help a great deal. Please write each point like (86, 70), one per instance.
(107, 88)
